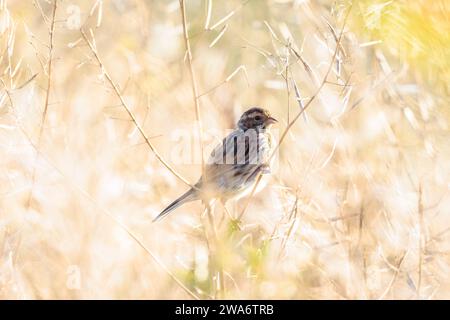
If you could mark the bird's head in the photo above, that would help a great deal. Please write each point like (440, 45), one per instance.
(256, 118)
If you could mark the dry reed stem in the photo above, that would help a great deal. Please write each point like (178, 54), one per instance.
(193, 84)
(421, 239)
(288, 92)
(47, 97)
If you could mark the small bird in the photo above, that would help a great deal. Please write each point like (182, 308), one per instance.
(234, 165)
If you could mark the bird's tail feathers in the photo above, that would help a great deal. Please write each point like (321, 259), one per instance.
(190, 195)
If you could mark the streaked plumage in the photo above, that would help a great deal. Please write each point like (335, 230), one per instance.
(234, 165)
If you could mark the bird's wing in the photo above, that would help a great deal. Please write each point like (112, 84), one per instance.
(240, 153)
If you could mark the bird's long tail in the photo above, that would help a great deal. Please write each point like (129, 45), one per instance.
(190, 195)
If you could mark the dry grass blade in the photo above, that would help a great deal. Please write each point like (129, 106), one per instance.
(228, 79)
(216, 39)
(228, 16)
(299, 100)
(208, 14)
(306, 66)
(273, 34)
(27, 82)
(335, 36)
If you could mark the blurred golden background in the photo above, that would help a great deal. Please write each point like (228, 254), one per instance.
(357, 208)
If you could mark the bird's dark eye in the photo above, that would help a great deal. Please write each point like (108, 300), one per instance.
(258, 118)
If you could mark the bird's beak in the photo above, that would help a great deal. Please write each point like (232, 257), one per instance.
(271, 120)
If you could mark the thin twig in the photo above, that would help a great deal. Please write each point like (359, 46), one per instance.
(231, 76)
(288, 91)
(128, 110)
(299, 100)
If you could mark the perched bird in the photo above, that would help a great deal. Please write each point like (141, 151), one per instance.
(234, 165)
